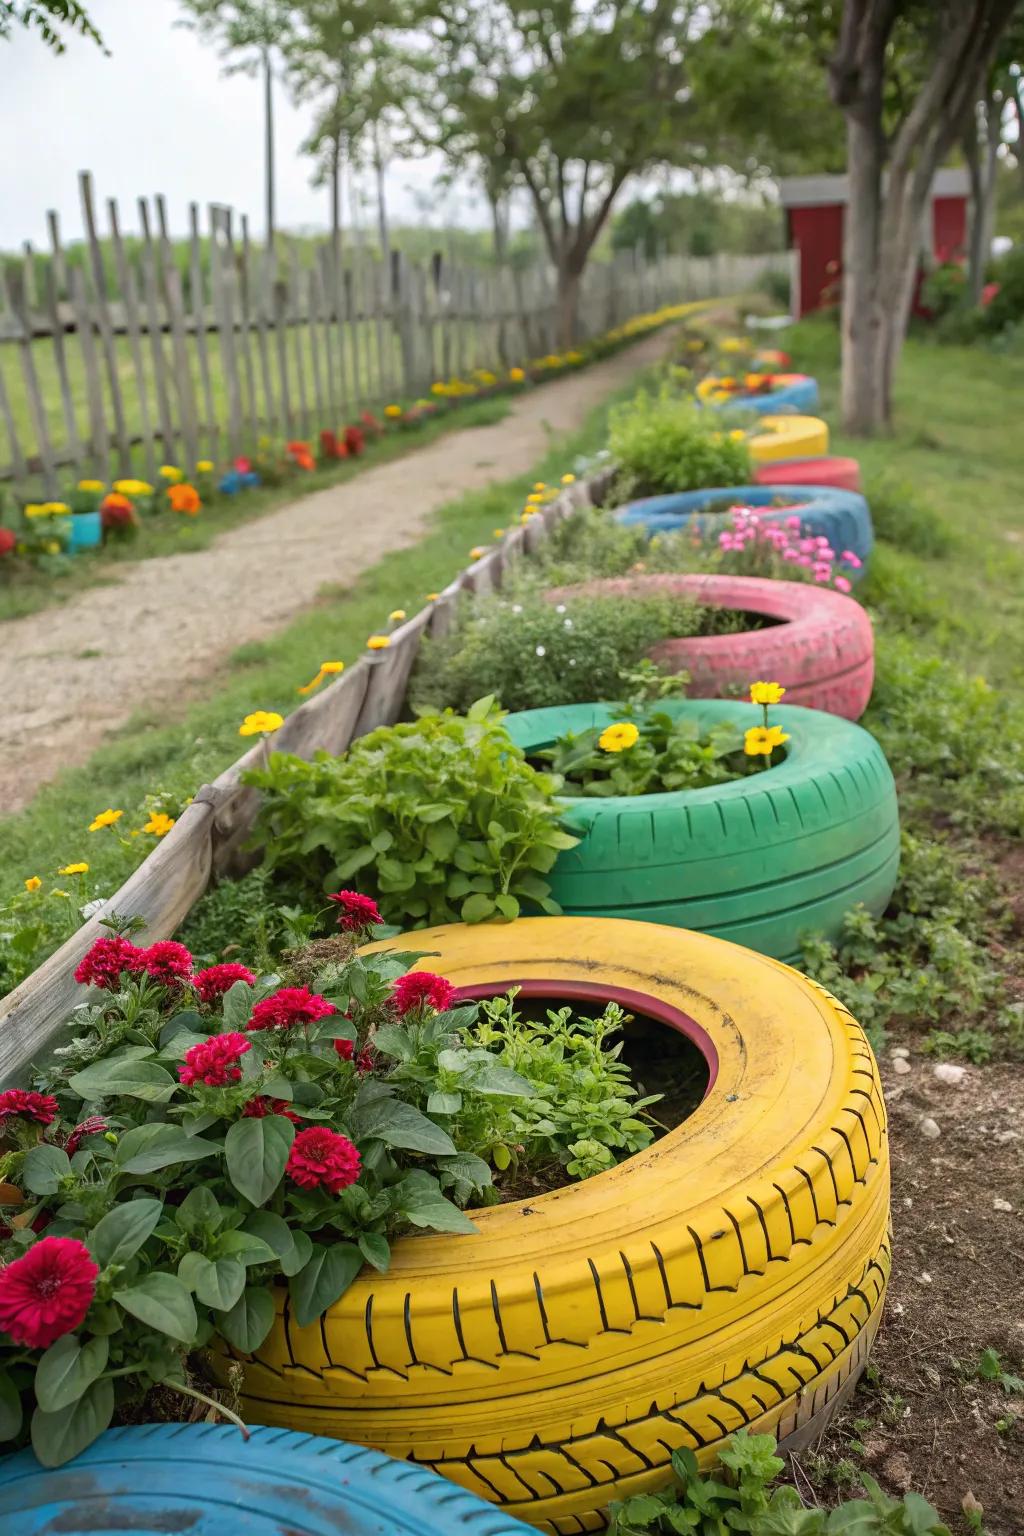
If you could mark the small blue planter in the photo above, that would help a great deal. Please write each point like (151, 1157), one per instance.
(843, 517)
(802, 396)
(86, 531)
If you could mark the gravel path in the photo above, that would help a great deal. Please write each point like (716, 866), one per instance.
(71, 674)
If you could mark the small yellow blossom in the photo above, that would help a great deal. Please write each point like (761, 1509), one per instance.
(527, 513)
(72, 869)
(761, 741)
(432, 597)
(378, 642)
(260, 723)
(171, 472)
(159, 824)
(94, 487)
(498, 533)
(33, 883)
(737, 434)
(766, 693)
(56, 508)
(535, 496)
(396, 615)
(540, 485)
(618, 737)
(393, 411)
(734, 344)
(52, 547)
(516, 375)
(568, 479)
(133, 488)
(204, 467)
(477, 552)
(104, 819)
(35, 509)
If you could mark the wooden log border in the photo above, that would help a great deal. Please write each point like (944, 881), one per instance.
(206, 841)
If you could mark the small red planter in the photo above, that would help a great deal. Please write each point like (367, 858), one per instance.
(841, 474)
(821, 648)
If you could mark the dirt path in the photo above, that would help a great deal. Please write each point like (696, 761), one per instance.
(71, 674)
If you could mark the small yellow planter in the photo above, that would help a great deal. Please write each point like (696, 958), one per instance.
(788, 437)
(731, 1274)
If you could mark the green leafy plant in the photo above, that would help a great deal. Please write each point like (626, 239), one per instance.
(204, 1136)
(902, 516)
(990, 1368)
(664, 443)
(660, 752)
(443, 818)
(531, 653)
(738, 1497)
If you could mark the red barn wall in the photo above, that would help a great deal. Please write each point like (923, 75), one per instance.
(817, 234)
(949, 228)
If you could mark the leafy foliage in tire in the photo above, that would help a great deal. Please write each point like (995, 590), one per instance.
(739, 1497)
(442, 819)
(664, 443)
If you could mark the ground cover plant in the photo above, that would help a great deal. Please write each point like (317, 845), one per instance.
(204, 1134)
(662, 442)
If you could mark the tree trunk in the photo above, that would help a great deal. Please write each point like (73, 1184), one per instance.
(976, 229)
(862, 318)
(268, 149)
(568, 305)
(382, 207)
(993, 140)
(335, 173)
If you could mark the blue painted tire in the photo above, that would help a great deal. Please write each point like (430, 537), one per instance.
(842, 517)
(801, 396)
(204, 1479)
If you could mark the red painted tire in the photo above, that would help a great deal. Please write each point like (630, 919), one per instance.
(822, 649)
(841, 474)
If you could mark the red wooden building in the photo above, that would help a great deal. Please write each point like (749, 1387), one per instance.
(815, 207)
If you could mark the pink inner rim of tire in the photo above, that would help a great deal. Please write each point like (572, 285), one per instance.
(591, 991)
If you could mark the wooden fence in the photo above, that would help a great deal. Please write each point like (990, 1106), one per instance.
(206, 840)
(147, 352)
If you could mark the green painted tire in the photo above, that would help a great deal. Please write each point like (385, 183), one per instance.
(761, 861)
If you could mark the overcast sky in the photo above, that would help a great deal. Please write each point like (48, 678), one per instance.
(157, 116)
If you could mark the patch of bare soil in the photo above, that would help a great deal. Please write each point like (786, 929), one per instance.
(923, 1418)
(69, 675)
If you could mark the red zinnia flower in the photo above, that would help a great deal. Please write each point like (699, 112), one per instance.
(422, 989)
(355, 441)
(214, 1061)
(291, 1005)
(212, 983)
(17, 1103)
(260, 1107)
(243, 466)
(357, 911)
(167, 962)
(345, 1049)
(321, 1158)
(48, 1292)
(8, 540)
(95, 1125)
(104, 963)
(328, 445)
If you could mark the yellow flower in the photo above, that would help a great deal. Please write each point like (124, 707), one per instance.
(104, 819)
(619, 737)
(396, 615)
(378, 642)
(260, 723)
(535, 496)
(328, 668)
(35, 509)
(159, 824)
(204, 467)
(477, 552)
(568, 479)
(133, 488)
(393, 411)
(734, 344)
(33, 883)
(761, 741)
(438, 388)
(540, 485)
(93, 486)
(527, 513)
(516, 375)
(56, 508)
(73, 869)
(737, 434)
(52, 547)
(766, 693)
(432, 597)
(498, 533)
(170, 472)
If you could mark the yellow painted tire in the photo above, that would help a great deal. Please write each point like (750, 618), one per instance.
(731, 1274)
(788, 437)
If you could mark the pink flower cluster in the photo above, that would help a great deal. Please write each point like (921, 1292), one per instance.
(750, 530)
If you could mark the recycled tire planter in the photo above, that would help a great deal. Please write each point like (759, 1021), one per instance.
(840, 473)
(761, 860)
(731, 1274)
(206, 1480)
(822, 649)
(788, 437)
(795, 392)
(86, 531)
(842, 517)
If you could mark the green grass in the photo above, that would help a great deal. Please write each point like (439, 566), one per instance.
(171, 749)
(27, 590)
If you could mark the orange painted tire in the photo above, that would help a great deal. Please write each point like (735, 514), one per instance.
(822, 649)
(731, 1274)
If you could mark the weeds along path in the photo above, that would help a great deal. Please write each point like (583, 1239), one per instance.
(69, 675)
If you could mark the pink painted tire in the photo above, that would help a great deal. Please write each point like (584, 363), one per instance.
(821, 649)
(841, 474)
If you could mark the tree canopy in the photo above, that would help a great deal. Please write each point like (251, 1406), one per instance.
(53, 20)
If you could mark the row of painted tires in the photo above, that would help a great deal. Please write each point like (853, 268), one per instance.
(794, 392)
